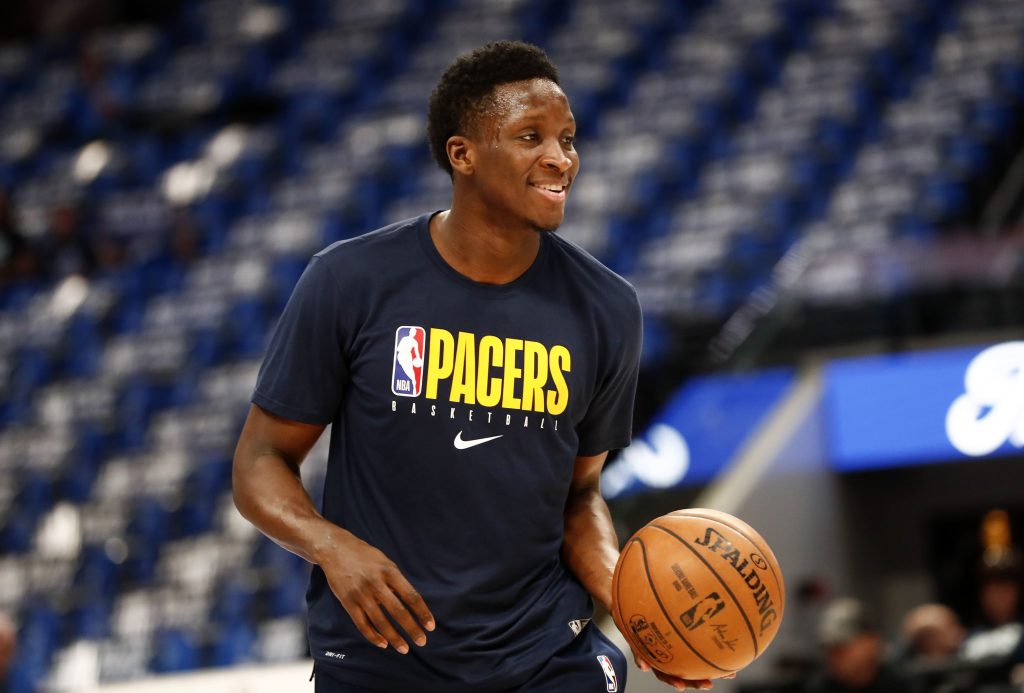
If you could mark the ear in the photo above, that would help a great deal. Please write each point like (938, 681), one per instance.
(461, 154)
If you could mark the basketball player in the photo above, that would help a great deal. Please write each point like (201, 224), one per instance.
(463, 514)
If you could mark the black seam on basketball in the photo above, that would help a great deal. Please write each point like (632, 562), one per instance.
(671, 621)
(762, 548)
(714, 572)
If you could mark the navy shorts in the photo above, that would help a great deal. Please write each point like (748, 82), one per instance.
(589, 664)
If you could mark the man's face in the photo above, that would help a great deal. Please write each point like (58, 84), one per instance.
(856, 663)
(1000, 600)
(524, 158)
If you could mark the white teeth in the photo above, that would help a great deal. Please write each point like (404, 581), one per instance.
(552, 188)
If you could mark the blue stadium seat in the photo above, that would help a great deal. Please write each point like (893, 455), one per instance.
(83, 340)
(175, 649)
(234, 603)
(38, 639)
(97, 578)
(235, 644)
(90, 620)
(80, 473)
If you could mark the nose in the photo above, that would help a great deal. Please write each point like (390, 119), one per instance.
(556, 158)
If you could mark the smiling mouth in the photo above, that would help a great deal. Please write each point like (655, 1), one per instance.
(554, 192)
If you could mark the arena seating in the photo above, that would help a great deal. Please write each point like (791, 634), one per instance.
(715, 137)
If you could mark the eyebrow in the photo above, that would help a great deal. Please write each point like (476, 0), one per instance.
(534, 116)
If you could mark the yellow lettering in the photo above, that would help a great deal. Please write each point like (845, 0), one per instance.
(441, 359)
(512, 374)
(488, 389)
(463, 380)
(535, 374)
(560, 362)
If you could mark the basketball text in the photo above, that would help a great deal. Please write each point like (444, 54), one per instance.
(718, 544)
(490, 371)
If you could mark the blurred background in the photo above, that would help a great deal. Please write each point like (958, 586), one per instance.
(820, 202)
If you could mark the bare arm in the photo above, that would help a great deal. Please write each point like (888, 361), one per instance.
(591, 549)
(267, 457)
(268, 492)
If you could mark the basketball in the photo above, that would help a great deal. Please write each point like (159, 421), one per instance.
(698, 593)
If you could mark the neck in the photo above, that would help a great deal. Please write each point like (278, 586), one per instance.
(482, 250)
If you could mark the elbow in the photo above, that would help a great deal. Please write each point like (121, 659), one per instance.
(239, 490)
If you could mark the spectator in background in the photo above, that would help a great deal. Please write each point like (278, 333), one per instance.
(931, 663)
(166, 270)
(18, 261)
(854, 652)
(65, 250)
(998, 638)
(8, 644)
(1000, 634)
(933, 633)
(108, 253)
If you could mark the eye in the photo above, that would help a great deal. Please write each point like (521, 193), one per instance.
(529, 136)
(569, 140)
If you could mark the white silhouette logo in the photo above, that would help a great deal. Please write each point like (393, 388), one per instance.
(461, 444)
(407, 351)
(407, 369)
(578, 624)
(611, 681)
(991, 410)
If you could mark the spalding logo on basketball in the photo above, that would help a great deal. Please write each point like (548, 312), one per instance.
(699, 593)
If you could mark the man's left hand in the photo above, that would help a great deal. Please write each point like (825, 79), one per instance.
(678, 683)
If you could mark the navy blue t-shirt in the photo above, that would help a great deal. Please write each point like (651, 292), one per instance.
(458, 410)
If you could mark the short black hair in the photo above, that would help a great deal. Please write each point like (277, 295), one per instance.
(462, 94)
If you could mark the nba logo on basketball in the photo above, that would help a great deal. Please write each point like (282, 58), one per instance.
(610, 679)
(407, 368)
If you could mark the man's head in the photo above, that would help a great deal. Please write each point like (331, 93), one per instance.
(933, 631)
(1000, 597)
(853, 645)
(465, 95)
(501, 126)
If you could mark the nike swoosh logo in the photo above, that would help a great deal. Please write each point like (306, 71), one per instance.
(461, 444)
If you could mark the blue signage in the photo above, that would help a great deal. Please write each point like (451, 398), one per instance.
(925, 407)
(697, 433)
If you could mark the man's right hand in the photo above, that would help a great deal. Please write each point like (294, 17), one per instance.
(268, 492)
(371, 588)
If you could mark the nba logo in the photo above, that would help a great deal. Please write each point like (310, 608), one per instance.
(611, 681)
(407, 367)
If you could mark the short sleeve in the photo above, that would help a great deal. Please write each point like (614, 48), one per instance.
(608, 423)
(304, 372)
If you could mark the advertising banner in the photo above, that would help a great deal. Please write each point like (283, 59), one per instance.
(925, 407)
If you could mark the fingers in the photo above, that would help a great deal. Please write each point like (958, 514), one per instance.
(365, 627)
(676, 682)
(683, 684)
(413, 601)
(398, 611)
(376, 611)
(371, 618)
(376, 595)
(384, 628)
